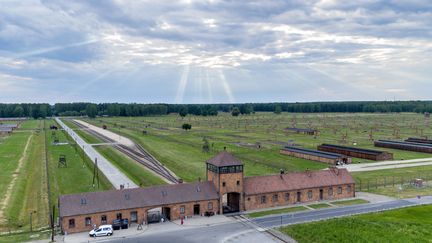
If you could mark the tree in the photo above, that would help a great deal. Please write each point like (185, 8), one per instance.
(278, 109)
(19, 111)
(187, 126)
(206, 145)
(183, 111)
(91, 110)
(235, 111)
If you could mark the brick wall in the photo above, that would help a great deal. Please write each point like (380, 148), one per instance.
(309, 157)
(254, 201)
(80, 225)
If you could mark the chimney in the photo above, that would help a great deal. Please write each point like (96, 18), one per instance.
(308, 172)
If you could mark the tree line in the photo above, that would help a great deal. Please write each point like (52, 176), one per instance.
(121, 109)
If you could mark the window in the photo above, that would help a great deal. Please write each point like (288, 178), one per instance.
(223, 184)
(263, 199)
(210, 206)
(348, 188)
(287, 196)
(71, 223)
(275, 197)
(330, 191)
(238, 183)
(119, 216)
(182, 209)
(103, 219)
(310, 194)
(340, 190)
(87, 221)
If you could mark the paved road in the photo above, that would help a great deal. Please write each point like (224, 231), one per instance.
(116, 177)
(314, 215)
(229, 232)
(384, 165)
(253, 231)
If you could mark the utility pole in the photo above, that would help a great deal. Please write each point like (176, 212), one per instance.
(52, 224)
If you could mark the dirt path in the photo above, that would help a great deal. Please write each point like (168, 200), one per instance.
(5, 200)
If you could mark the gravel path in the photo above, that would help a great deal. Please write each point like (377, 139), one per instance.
(118, 138)
(115, 176)
(384, 165)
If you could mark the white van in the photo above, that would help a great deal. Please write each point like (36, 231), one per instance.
(103, 230)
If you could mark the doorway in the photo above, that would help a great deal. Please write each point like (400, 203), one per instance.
(134, 217)
(196, 209)
(321, 194)
(231, 202)
(166, 213)
(298, 196)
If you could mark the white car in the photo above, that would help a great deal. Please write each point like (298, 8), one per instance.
(103, 230)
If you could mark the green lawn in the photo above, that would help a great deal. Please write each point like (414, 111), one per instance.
(404, 225)
(29, 191)
(136, 172)
(276, 211)
(78, 176)
(349, 202)
(25, 237)
(319, 205)
(87, 137)
(388, 182)
(181, 151)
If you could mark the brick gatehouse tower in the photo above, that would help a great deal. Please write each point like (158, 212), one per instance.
(226, 173)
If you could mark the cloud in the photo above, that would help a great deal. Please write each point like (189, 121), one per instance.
(79, 45)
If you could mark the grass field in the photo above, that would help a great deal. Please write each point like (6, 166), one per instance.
(404, 225)
(182, 151)
(320, 205)
(136, 172)
(78, 176)
(23, 188)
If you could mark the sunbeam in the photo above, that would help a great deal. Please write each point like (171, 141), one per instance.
(226, 86)
(209, 90)
(55, 48)
(182, 84)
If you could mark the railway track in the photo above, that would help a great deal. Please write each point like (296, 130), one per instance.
(139, 155)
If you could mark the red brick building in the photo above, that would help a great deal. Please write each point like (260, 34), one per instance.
(226, 190)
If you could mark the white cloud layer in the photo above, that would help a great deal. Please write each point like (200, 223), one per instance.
(215, 51)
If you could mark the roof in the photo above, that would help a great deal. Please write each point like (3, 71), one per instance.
(296, 181)
(362, 150)
(408, 144)
(323, 154)
(8, 125)
(96, 202)
(224, 159)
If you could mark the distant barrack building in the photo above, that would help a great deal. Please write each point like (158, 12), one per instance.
(316, 155)
(410, 146)
(225, 191)
(357, 152)
(307, 131)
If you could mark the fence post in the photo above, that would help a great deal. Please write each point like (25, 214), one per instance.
(360, 185)
(368, 185)
(376, 183)
(393, 181)
(385, 181)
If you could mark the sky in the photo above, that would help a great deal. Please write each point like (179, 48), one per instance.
(211, 51)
